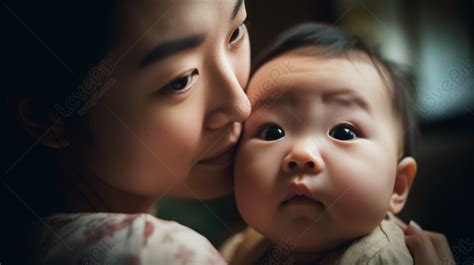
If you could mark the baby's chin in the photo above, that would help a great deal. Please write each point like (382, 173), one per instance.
(318, 240)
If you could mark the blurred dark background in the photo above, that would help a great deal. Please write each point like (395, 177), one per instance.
(435, 40)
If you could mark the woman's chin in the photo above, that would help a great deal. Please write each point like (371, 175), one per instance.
(210, 182)
(208, 194)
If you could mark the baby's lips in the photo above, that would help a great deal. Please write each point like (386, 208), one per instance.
(299, 188)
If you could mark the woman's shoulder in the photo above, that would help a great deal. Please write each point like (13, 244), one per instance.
(111, 238)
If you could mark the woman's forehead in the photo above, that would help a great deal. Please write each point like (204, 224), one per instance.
(174, 16)
(148, 23)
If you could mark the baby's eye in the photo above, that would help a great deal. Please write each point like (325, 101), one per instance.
(183, 83)
(344, 132)
(272, 133)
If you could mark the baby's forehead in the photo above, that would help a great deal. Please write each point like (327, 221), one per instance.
(296, 76)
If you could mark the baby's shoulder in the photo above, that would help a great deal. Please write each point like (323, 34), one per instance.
(110, 238)
(384, 245)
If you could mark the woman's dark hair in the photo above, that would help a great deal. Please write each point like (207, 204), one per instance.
(334, 42)
(47, 49)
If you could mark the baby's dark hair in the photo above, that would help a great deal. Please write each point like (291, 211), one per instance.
(334, 42)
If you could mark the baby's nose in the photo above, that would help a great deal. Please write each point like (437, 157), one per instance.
(294, 165)
(303, 162)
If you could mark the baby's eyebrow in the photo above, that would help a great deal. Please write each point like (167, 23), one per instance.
(342, 97)
(270, 100)
(347, 98)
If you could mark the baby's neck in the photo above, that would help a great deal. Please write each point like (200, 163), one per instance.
(281, 253)
(286, 254)
(307, 258)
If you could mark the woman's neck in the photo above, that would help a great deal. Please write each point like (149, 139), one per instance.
(85, 192)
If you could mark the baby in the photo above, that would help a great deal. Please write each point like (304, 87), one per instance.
(324, 156)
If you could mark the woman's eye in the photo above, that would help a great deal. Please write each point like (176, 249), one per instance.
(183, 83)
(272, 133)
(238, 33)
(344, 132)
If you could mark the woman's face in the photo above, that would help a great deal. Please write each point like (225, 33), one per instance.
(169, 124)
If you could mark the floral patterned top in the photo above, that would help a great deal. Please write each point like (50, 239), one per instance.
(122, 239)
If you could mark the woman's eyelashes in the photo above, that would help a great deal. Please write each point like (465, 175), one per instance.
(182, 83)
(271, 132)
(186, 80)
(238, 33)
(344, 132)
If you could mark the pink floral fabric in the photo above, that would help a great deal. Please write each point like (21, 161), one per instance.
(128, 239)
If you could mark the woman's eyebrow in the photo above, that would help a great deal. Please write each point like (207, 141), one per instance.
(173, 47)
(238, 4)
(170, 48)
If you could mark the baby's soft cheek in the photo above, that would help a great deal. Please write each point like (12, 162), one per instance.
(254, 178)
(361, 192)
(257, 165)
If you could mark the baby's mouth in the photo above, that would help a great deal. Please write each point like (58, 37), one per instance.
(299, 194)
(299, 199)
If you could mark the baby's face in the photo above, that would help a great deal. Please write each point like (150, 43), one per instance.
(318, 157)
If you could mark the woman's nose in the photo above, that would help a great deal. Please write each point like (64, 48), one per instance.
(227, 98)
(303, 159)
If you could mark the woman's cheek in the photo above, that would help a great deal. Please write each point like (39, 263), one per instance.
(152, 153)
(174, 140)
(142, 146)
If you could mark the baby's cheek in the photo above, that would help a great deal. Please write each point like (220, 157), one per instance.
(246, 173)
(256, 166)
(361, 194)
(254, 182)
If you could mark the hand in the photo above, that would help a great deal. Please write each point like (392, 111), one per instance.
(426, 247)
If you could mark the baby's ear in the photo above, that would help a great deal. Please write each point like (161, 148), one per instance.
(406, 172)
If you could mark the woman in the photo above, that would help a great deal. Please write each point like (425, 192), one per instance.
(133, 101)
